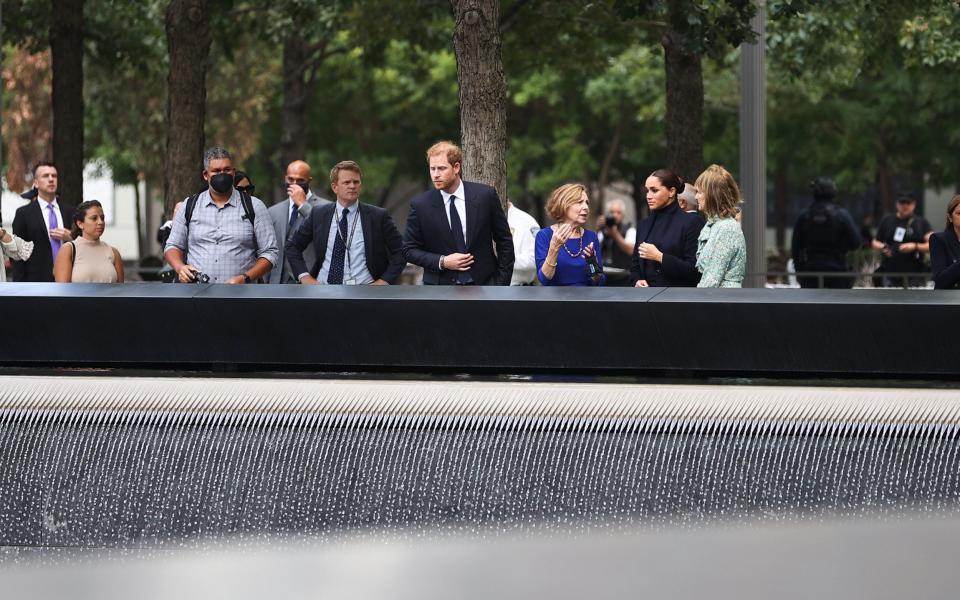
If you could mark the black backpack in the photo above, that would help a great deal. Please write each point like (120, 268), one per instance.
(245, 200)
(248, 213)
(821, 233)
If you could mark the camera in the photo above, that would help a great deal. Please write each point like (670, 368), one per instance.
(609, 220)
(199, 277)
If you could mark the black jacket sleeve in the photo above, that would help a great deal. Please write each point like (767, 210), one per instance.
(20, 230)
(413, 245)
(394, 246)
(683, 268)
(851, 237)
(502, 240)
(297, 243)
(946, 271)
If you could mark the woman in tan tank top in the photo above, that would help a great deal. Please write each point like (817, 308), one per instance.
(86, 259)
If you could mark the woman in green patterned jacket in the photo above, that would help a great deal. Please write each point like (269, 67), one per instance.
(721, 247)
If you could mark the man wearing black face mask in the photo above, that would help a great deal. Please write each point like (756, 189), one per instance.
(290, 213)
(222, 240)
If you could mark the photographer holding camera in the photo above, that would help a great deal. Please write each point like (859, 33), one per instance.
(221, 235)
(617, 240)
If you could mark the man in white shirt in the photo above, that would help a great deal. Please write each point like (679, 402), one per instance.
(354, 243)
(458, 232)
(45, 223)
(523, 228)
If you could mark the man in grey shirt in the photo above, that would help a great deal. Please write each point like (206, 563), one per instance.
(220, 241)
(290, 213)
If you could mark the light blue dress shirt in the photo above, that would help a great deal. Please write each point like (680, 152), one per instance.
(355, 270)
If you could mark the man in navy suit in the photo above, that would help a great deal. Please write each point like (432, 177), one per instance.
(354, 243)
(453, 229)
(46, 223)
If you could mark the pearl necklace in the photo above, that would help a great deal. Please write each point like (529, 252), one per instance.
(579, 252)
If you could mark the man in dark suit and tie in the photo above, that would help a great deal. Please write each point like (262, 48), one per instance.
(354, 243)
(289, 214)
(453, 229)
(46, 223)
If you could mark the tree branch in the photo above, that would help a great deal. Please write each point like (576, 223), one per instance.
(509, 17)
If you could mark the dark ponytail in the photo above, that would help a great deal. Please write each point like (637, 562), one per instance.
(669, 179)
(80, 214)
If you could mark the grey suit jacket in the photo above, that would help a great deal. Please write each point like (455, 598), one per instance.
(280, 213)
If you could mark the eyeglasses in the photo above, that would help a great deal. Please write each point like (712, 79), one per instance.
(247, 188)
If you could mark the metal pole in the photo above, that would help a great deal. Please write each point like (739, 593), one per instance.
(753, 148)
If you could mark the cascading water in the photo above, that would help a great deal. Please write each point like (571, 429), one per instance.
(143, 463)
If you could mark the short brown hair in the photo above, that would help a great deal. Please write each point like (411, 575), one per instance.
(951, 206)
(563, 198)
(344, 165)
(720, 193)
(453, 152)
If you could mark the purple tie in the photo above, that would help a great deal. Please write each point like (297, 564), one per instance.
(52, 222)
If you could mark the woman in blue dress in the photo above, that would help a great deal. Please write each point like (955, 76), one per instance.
(566, 253)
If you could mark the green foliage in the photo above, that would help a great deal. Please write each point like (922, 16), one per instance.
(26, 23)
(933, 39)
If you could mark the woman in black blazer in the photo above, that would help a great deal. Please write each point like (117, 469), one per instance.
(945, 250)
(666, 251)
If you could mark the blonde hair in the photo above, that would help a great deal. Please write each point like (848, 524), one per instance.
(453, 152)
(344, 165)
(563, 198)
(720, 193)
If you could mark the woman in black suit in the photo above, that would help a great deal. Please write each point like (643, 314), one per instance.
(945, 250)
(666, 251)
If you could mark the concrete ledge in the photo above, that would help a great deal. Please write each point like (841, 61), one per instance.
(789, 333)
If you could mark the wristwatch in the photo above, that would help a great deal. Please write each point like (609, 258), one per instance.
(246, 278)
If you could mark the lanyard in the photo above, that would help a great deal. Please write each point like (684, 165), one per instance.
(349, 241)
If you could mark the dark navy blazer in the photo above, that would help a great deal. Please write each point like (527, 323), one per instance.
(382, 245)
(945, 260)
(428, 237)
(30, 223)
(674, 233)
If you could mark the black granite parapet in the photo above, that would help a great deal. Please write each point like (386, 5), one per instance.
(788, 333)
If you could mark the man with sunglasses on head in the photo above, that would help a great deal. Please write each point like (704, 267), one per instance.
(290, 213)
(229, 238)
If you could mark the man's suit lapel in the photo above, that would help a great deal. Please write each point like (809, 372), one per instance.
(303, 213)
(321, 232)
(442, 221)
(473, 214)
(285, 222)
(366, 225)
(41, 220)
(41, 235)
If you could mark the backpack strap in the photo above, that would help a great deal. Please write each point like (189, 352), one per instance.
(247, 202)
(187, 215)
(249, 214)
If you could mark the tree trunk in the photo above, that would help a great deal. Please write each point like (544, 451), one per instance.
(293, 135)
(604, 177)
(781, 198)
(66, 45)
(138, 217)
(483, 92)
(884, 184)
(640, 194)
(188, 44)
(684, 76)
